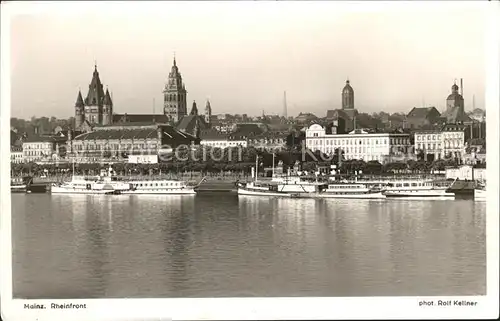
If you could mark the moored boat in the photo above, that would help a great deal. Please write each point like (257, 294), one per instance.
(20, 184)
(160, 186)
(418, 189)
(480, 192)
(351, 190)
(291, 187)
(279, 186)
(90, 185)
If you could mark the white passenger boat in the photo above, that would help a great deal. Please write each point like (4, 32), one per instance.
(90, 185)
(106, 183)
(282, 187)
(351, 190)
(296, 187)
(159, 187)
(418, 189)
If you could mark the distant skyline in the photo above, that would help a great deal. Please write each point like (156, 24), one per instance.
(243, 56)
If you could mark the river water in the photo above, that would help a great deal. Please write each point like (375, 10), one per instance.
(224, 245)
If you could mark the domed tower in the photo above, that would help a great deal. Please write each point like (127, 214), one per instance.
(79, 110)
(455, 100)
(174, 95)
(347, 96)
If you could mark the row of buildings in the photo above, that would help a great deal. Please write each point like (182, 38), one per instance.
(443, 143)
(120, 143)
(100, 133)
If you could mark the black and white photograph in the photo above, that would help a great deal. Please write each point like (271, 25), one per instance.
(229, 160)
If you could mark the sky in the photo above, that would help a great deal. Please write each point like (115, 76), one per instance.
(243, 56)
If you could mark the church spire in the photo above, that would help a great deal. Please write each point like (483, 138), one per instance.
(95, 95)
(79, 100)
(107, 99)
(194, 109)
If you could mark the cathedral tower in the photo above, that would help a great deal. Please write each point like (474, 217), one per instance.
(95, 99)
(97, 107)
(174, 96)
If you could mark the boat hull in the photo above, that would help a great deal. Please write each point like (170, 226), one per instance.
(377, 195)
(245, 191)
(188, 191)
(18, 188)
(59, 190)
(479, 195)
(425, 194)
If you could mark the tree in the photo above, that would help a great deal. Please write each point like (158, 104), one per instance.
(373, 167)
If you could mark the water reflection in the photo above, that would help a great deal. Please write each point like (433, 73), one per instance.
(215, 245)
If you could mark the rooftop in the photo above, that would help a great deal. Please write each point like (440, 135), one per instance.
(123, 119)
(421, 112)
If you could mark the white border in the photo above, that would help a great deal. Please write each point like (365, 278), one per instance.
(255, 308)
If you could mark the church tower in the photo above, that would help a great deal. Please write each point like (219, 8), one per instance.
(174, 96)
(79, 110)
(347, 96)
(107, 109)
(95, 99)
(208, 113)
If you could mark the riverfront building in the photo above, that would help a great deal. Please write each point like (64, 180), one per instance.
(216, 139)
(16, 155)
(43, 148)
(358, 144)
(115, 143)
(449, 141)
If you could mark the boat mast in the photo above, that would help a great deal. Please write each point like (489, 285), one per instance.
(256, 167)
(273, 164)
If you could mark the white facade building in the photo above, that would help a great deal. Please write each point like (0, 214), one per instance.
(222, 142)
(358, 144)
(450, 141)
(40, 150)
(16, 155)
(143, 159)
